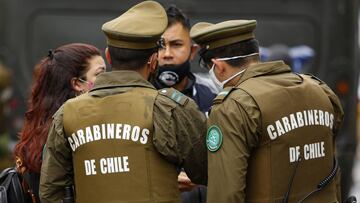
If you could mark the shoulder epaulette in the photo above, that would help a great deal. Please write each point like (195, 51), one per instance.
(174, 95)
(313, 77)
(222, 95)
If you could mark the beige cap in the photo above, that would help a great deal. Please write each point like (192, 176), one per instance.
(138, 28)
(210, 36)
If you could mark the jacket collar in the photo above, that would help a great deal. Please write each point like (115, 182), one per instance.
(121, 78)
(268, 68)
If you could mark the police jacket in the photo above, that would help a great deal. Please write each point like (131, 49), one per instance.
(271, 134)
(122, 142)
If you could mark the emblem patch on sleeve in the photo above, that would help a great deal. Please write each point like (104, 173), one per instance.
(214, 138)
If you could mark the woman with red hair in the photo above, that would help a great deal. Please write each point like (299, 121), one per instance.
(65, 73)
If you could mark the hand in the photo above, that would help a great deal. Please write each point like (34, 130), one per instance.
(185, 183)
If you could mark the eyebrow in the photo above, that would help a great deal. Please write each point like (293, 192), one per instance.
(175, 40)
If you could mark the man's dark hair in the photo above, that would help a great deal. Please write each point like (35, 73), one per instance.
(240, 48)
(175, 15)
(129, 59)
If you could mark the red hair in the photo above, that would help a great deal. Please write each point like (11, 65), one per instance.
(50, 89)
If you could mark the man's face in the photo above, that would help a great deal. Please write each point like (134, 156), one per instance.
(177, 46)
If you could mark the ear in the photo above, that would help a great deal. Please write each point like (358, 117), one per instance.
(107, 55)
(76, 85)
(193, 51)
(220, 66)
(152, 63)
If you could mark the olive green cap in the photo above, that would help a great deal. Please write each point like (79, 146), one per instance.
(210, 36)
(138, 28)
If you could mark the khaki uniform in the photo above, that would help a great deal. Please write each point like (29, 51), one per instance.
(126, 137)
(273, 123)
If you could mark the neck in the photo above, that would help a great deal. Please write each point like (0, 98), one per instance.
(182, 85)
(144, 72)
(236, 79)
(233, 82)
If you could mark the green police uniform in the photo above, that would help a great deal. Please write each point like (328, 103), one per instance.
(125, 119)
(124, 140)
(270, 125)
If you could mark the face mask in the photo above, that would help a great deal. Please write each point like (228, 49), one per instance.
(220, 85)
(170, 75)
(89, 83)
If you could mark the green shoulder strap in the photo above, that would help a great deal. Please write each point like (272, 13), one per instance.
(223, 95)
(174, 95)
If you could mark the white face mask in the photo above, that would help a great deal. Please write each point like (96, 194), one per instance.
(220, 85)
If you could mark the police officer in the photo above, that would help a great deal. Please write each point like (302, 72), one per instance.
(270, 132)
(123, 141)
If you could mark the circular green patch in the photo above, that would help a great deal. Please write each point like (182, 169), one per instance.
(214, 138)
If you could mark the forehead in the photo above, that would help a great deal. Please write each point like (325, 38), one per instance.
(95, 62)
(96, 59)
(176, 32)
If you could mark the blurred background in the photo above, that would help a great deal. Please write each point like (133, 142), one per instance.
(318, 37)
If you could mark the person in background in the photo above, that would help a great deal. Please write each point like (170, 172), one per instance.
(5, 79)
(298, 58)
(174, 71)
(280, 52)
(174, 62)
(5, 94)
(271, 132)
(67, 71)
(124, 140)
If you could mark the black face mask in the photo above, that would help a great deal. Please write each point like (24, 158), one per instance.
(170, 75)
